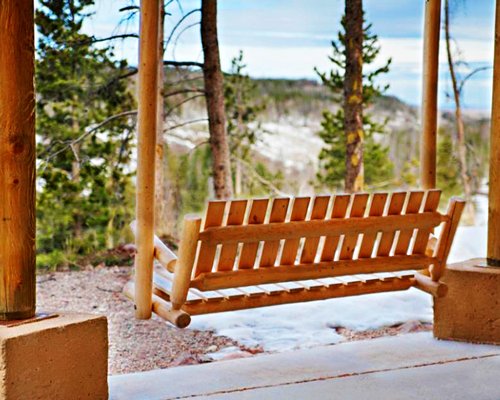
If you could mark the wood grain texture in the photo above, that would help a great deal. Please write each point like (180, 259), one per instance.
(270, 249)
(357, 211)
(290, 247)
(377, 207)
(318, 212)
(429, 109)
(17, 160)
(412, 207)
(229, 251)
(256, 217)
(431, 204)
(146, 150)
(339, 210)
(280, 274)
(387, 238)
(206, 254)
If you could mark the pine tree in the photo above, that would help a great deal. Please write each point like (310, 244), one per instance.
(243, 106)
(332, 158)
(83, 179)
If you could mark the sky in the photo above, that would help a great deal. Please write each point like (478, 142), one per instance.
(289, 38)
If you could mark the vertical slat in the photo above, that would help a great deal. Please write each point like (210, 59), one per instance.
(270, 249)
(376, 209)
(339, 210)
(405, 235)
(236, 216)
(357, 211)
(395, 207)
(215, 214)
(311, 244)
(249, 250)
(431, 204)
(299, 212)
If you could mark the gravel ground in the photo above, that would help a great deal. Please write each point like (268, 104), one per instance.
(144, 345)
(133, 345)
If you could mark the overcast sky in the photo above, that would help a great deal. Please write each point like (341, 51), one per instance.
(288, 38)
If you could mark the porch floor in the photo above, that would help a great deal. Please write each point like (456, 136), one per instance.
(411, 366)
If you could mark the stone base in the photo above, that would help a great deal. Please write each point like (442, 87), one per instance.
(471, 310)
(60, 358)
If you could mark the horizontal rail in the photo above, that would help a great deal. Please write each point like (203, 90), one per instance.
(249, 277)
(162, 253)
(316, 228)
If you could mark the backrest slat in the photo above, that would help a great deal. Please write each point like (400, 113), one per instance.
(357, 211)
(229, 251)
(405, 235)
(339, 210)
(376, 209)
(387, 238)
(249, 250)
(311, 244)
(270, 248)
(422, 238)
(206, 254)
(299, 212)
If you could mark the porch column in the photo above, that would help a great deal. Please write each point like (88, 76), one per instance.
(430, 94)
(17, 160)
(146, 145)
(493, 257)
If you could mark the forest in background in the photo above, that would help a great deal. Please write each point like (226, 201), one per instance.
(86, 137)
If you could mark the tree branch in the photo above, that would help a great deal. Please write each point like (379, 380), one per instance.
(183, 63)
(194, 121)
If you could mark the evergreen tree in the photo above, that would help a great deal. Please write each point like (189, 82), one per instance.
(83, 181)
(243, 105)
(377, 165)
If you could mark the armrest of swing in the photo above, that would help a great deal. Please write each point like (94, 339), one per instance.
(162, 253)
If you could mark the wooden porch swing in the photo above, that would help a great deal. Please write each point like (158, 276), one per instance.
(262, 252)
(266, 252)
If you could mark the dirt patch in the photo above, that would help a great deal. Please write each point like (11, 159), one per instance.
(133, 345)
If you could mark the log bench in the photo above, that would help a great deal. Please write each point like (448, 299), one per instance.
(263, 252)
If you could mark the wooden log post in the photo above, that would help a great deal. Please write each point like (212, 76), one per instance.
(17, 160)
(146, 146)
(493, 256)
(429, 108)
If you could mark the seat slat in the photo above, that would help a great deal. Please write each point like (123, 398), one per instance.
(357, 211)
(256, 217)
(422, 238)
(270, 249)
(206, 254)
(311, 244)
(339, 210)
(228, 253)
(299, 212)
(413, 207)
(387, 238)
(377, 207)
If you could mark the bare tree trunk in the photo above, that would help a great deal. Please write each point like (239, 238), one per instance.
(353, 95)
(165, 204)
(460, 131)
(214, 93)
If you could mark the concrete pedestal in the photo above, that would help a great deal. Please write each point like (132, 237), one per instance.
(61, 358)
(471, 309)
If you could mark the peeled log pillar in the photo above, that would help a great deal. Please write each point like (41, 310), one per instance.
(494, 185)
(17, 160)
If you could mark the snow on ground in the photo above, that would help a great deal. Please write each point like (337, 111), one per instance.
(294, 326)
